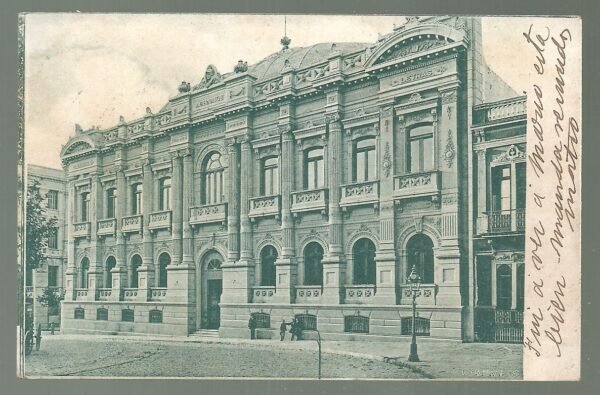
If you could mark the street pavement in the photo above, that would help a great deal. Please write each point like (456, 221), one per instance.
(159, 356)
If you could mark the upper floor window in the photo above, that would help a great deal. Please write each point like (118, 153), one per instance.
(85, 207)
(84, 267)
(314, 169)
(111, 203)
(53, 239)
(364, 161)
(52, 199)
(136, 201)
(270, 176)
(313, 265)
(213, 180)
(420, 149)
(268, 256)
(505, 195)
(420, 256)
(52, 276)
(165, 194)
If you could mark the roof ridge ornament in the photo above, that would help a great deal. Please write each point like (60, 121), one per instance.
(285, 40)
(211, 76)
(241, 67)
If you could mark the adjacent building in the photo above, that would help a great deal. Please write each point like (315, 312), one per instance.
(307, 185)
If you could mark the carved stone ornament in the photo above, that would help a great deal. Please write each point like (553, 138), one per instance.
(241, 67)
(184, 87)
(512, 153)
(211, 76)
(415, 97)
(387, 160)
(448, 97)
(449, 152)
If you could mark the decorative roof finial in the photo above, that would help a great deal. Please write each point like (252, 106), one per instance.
(285, 40)
(241, 67)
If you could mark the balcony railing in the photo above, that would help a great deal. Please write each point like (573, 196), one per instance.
(308, 293)
(265, 206)
(158, 294)
(426, 295)
(132, 223)
(501, 326)
(313, 200)
(263, 294)
(360, 193)
(105, 293)
(359, 294)
(208, 214)
(160, 220)
(107, 226)
(504, 109)
(417, 184)
(81, 293)
(81, 229)
(130, 293)
(503, 221)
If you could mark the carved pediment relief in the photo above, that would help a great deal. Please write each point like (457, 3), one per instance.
(77, 147)
(410, 47)
(211, 77)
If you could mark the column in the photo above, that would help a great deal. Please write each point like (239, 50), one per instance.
(233, 202)
(385, 258)
(146, 272)
(513, 300)
(119, 272)
(285, 266)
(96, 272)
(494, 290)
(481, 191)
(333, 262)
(177, 196)
(71, 272)
(245, 188)
(188, 188)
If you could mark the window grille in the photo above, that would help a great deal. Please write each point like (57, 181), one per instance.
(79, 313)
(262, 320)
(127, 315)
(421, 326)
(356, 324)
(156, 316)
(102, 314)
(308, 321)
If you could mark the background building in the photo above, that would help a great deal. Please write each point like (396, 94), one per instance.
(307, 185)
(50, 274)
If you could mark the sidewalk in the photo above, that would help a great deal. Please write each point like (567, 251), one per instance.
(441, 359)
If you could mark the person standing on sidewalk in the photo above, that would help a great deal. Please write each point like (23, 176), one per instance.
(283, 329)
(38, 338)
(252, 327)
(294, 329)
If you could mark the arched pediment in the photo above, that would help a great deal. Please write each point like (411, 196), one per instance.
(77, 146)
(423, 38)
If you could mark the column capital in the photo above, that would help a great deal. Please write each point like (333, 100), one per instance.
(333, 119)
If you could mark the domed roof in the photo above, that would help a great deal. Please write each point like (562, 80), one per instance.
(272, 65)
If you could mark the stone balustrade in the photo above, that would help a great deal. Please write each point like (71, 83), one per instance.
(265, 206)
(81, 229)
(158, 294)
(503, 109)
(132, 223)
(426, 295)
(313, 200)
(360, 193)
(160, 220)
(130, 294)
(208, 214)
(81, 293)
(359, 294)
(309, 293)
(417, 184)
(502, 221)
(105, 293)
(263, 294)
(107, 227)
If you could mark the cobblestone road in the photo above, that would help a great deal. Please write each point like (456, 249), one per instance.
(137, 358)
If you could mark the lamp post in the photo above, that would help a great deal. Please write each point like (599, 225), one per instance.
(414, 281)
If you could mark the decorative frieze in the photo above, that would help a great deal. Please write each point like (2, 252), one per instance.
(160, 220)
(107, 227)
(208, 214)
(309, 201)
(309, 294)
(359, 294)
(263, 294)
(265, 206)
(132, 223)
(418, 184)
(81, 229)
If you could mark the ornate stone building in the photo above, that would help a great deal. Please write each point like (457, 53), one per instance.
(307, 185)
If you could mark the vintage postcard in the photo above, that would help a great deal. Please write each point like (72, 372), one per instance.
(300, 197)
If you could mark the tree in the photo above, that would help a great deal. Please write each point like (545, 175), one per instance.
(39, 227)
(51, 297)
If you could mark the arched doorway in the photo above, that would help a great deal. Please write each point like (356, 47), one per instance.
(211, 288)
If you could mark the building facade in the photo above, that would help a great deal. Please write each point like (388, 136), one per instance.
(307, 185)
(51, 273)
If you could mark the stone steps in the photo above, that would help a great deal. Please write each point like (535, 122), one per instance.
(205, 333)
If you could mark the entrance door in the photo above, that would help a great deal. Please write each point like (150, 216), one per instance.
(215, 287)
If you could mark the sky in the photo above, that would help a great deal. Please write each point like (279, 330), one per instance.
(91, 68)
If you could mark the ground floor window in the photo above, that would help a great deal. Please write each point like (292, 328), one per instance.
(127, 315)
(102, 314)
(356, 324)
(308, 321)
(156, 316)
(421, 326)
(262, 320)
(79, 313)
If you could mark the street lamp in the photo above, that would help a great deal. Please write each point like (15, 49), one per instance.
(414, 281)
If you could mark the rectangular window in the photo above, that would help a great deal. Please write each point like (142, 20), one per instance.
(155, 316)
(270, 178)
(356, 324)
(136, 202)
(53, 276)
(85, 207)
(111, 203)
(314, 173)
(79, 313)
(102, 314)
(501, 188)
(53, 239)
(421, 326)
(52, 200)
(365, 160)
(420, 149)
(127, 315)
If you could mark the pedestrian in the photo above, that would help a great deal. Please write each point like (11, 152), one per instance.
(293, 328)
(299, 328)
(38, 338)
(283, 329)
(52, 326)
(252, 327)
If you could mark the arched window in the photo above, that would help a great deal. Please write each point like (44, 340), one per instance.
(313, 267)
(84, 267)
(365, 160)
(420, 149)
(503, 287)
(213, 179)
(363, 255)
(136, 262)
(85, 207)
(163, 261)
(136, 199)
(314, 170)
(111, 202)
(165, 194)
(111, 262)
(268, 256)
(420, 255)
(270, 177)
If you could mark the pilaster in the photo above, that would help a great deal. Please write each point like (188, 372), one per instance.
(233, 202)
(71, 272)
(146, 272)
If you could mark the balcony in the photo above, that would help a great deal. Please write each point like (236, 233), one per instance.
(107, 227)
(425, 296)
(160, 220)
(81, 293)
(360, 193)
(309, 294)
(208, 214)
(265, 206)
(313, 200)
(105, 293)
(263, 294)
(81, 229)
(130, 294)
(359, 294)
(158, 294)
(500, 110)
(132, 223)
(504, 221)
(417, 184)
